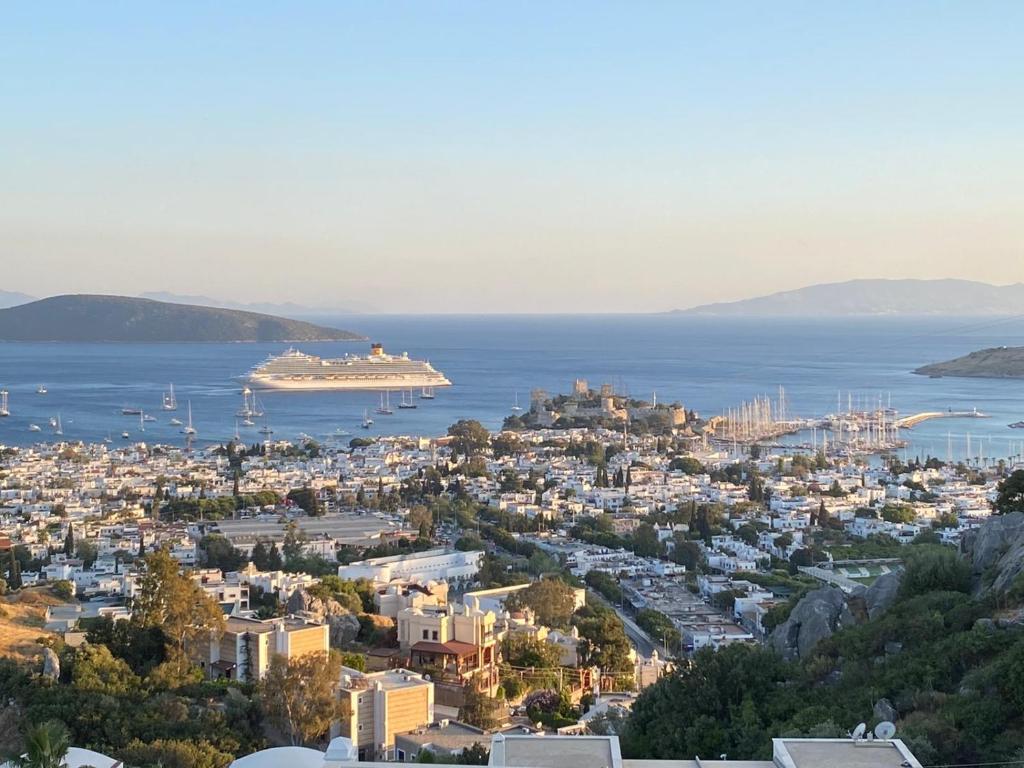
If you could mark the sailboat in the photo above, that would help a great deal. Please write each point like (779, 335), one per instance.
(367, 421)
(142, 422)
(57, 428)
(427, 393)
(407, 403)
(385, 403)
(4, 410)
(170, 402)
(265, 429)
(41, 390)
(189, 429)
(238, 437)
(108, 439)
(515, 404)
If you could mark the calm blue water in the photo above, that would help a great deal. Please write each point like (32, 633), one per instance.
(707, 364)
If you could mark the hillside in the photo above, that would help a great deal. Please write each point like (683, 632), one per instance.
(876, 297)
(13, 299)
(994, 363)
(91, 318)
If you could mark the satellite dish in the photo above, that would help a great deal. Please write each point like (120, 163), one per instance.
(885, 730)
(858, 732)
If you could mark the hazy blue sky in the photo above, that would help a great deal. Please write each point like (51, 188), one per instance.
(507, 156)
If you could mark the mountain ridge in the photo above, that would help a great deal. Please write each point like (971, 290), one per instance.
(876, 297)
(105, 318)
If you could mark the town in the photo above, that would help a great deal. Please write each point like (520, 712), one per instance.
(433, 593)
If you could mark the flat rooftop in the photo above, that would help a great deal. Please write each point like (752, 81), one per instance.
(842, 753)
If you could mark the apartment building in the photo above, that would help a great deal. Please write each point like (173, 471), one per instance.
(244, 650)
(379, 705)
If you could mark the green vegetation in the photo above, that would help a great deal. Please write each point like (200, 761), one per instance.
(120, 318)
(954, 681)
(551, 600)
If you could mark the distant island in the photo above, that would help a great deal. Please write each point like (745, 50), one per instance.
(93, 318)
(14, 298)
(994, 363)
(876, 297)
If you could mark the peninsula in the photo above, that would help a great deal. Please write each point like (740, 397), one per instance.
(96, 318)
(994, 363)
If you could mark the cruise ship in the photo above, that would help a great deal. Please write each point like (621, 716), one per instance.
(377, 371)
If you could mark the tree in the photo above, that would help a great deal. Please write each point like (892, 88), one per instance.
(687, 553)
(64, 589)
(266, 556)
(218, 552)
(175, 753)
(172, 601)
(477, 708)
(645, 541)
(69, 541)
(551, 600)
(469, 437)
(86, 552)
(97, 670)
(299, 696)
(1010, 494)
(933, 568)
(477, 754)
(46, 746)
(307, 500)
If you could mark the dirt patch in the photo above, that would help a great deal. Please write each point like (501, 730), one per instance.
(22, 615)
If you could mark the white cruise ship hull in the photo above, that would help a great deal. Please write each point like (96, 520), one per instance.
(352, 384)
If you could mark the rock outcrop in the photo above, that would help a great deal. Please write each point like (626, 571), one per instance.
(344, 625)
(817, 616)
(51, 664)
(882, 593)
(996, 552)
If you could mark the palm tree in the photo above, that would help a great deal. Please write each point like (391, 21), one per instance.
(46, 746)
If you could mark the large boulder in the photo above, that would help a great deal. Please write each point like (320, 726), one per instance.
(817, 616)
(51, 664)
(882, 593)
(344, 625)
(995, 551)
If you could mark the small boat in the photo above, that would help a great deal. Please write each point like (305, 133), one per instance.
(189, 429)
(125, 435)
(128, 411)
(406, 404)
(367, 421)
(41, 390)
(53, 422)
(248, 422)
(339, 432)
(515, 404)
(108, 439)
(4, 410)
(175, 422)
(385, 404)
(147, 417)
(266, 430)
(34, 428)
(58, 429)
(170, 402)
(1016, 425)
(427, 393)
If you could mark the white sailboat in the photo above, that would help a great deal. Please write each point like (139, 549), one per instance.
(41, 390)
(265, 429)
(367, 421)
(142, 422)
(170, 402)
(4, 409)
(515, 404)
(189, 429)
(58, 429)
(385, 404)
(407, 403)
(427, 393)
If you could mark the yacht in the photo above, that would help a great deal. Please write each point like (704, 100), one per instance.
(125, 435)
(296, 370)
(170, 402)
(385, 404)
(427, 393)
(41, 390)
(407, 403)
(189, 429)
(175, 422)
(34, 428)
(367, 421)
(129, 411)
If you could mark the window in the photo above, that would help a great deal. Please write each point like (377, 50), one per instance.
(401, 755)
(434, 635)
(425, 634)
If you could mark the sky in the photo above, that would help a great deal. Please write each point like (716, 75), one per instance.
(507, 157)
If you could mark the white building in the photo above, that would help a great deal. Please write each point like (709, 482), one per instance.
(430, 565)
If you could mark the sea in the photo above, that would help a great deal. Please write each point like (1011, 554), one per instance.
(707, 364)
